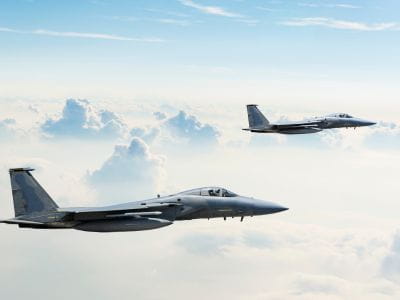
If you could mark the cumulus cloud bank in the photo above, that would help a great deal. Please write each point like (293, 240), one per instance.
(188, 127)
(131, 173)
(179, 129)
(146, 134)
(300, 261)
(79, 119)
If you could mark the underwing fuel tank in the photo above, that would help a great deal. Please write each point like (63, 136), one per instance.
(123, 224)
(300, 130)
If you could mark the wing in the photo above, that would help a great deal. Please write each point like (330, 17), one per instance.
(161, 210)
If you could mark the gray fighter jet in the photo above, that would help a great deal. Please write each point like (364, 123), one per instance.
(34, 208)
(259, 123)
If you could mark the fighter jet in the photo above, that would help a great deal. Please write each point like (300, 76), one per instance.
(259, 123)
(34, 208)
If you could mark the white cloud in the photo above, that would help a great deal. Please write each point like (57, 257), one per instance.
(318, 285)
(160, 115)
(300, 260)
(170, 13)
(181, 129)
(391, 263)
(80, 119)
(132, 172)
(340, 24)
(86, 35)
(171, 21)
(321, 140)
(258, 239)
(7, 128)
(212, 10)
(303, 261)
(188, 127)
(267, 9)
(329, 5)
(147, 134)
(205, 244)
(343, 5)
(210, 252)
(5, 29)
(33, 108)
(384, 135)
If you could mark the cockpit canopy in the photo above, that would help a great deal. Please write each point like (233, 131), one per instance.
(341, 115)
(210, 191)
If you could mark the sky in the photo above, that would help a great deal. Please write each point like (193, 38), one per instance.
(221, 51)
(114, 101)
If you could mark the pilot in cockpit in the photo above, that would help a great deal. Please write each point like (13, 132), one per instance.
(217, 192)
(214, 192)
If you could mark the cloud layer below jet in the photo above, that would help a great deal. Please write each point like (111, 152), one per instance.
(349, 250)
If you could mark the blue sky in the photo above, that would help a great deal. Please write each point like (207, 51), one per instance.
(169, 44)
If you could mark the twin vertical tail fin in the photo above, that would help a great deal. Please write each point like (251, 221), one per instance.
(28, 195)
(256, 118)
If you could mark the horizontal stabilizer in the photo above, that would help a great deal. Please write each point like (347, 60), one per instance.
(255, 129)
(20, 222)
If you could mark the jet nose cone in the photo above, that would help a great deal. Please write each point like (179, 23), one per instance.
(265, 207)
(367, 123)
(280, 208)
(277, 208)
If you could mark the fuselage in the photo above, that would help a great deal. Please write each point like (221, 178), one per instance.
(205, 207)
(313, 125)
(201, 203)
